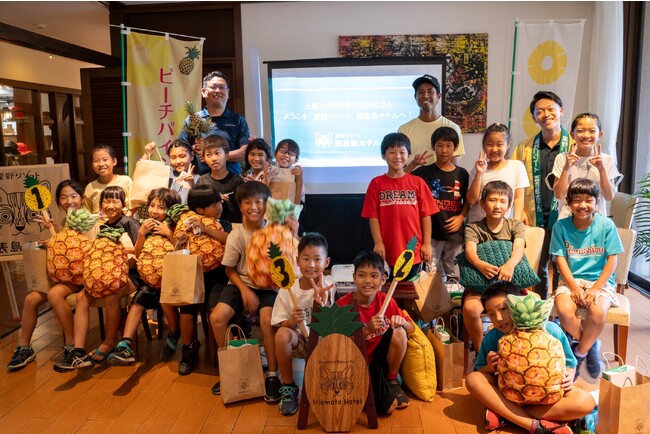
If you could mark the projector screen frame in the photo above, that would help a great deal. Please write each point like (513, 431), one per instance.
(438, 69)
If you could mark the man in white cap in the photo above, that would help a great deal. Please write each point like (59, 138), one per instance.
(419, 130)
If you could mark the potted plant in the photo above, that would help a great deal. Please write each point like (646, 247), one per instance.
(642, 218)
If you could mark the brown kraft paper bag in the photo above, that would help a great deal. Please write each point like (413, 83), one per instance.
(449, 361)
(182, 279)
(240, 370)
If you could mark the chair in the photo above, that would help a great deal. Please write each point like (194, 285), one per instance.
(622, 209)
(533, 252)
(99, 304)
(619, 316)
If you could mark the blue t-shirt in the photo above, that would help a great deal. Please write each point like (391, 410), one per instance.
(491, 343)
(586, 251)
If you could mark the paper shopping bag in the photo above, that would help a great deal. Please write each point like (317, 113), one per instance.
(433, 298)
(35, 265)
(449, 361)
(240, 370)
(624, 410)
(283, 185)
(148, 175)
(182, 279)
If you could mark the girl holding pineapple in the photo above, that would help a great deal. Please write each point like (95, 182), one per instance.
(156, 238)
(113, 203)
(68, 195)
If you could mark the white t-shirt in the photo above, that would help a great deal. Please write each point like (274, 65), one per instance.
(235, 252)
(419, 134)
(283, 304)
(513, 174)
(584, 169)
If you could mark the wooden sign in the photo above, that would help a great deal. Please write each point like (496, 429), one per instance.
(336, 381)
(38, 198)
(283, 275)
(18, 225)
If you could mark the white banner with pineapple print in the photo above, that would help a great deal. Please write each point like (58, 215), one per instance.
(547, 58)
(163, 74)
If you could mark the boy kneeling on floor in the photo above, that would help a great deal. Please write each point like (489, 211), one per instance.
(482, 383)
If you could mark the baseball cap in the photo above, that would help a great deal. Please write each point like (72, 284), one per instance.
(426, 78)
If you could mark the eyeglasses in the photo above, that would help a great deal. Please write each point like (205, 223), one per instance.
(222, 88)
(284, 151)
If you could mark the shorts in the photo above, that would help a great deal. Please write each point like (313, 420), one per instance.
(231, 296)
(607, 291)
(147, 297)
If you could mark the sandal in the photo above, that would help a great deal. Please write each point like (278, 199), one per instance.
(98, 357)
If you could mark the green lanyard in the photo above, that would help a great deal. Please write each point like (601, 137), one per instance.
(537, 180)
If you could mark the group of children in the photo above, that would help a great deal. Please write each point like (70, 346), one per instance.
(431, 203)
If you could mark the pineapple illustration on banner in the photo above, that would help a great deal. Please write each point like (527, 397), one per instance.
(531, 365)
(163, 73)
(547, 58)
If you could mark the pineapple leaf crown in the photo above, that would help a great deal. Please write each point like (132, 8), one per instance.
(30, 181)
(112, 234)
(174, 212)
(193, 52)
(335, 319)
(413, 242)
(274, 251)
(279, 210)
(528, 312)
(80, 219)
(196, 125)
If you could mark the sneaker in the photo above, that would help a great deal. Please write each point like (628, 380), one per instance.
(22, 356)
(594, 365)
(169, 347)
(541, 426)
(66, 350)
(123, 354)
(77, 358)
(272, 386)
(188, 358)
(216, 389)
(493, 421)
(402, 400)
(289, 399)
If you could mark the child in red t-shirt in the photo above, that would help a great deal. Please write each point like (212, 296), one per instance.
(385, 335)
(399, 206)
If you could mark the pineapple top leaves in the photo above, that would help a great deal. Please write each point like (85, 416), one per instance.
(112, 234)
(174, 212)
(413, 242)
(335, 319)
(274, 251)
(529, 312)
(80, 220)
(196, 125)
(30, 181)
(279, 210)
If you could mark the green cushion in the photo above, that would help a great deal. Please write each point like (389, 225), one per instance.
(496, 253)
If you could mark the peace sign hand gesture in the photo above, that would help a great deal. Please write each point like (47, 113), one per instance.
(421, 159)
(320, 293)
(597, 159)
(481, 163)
(571, 158)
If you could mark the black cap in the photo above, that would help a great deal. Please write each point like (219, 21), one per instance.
(426, 78)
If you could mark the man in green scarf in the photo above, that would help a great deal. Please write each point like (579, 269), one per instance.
(538, 155)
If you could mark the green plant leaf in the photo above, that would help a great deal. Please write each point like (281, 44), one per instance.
(335, 319)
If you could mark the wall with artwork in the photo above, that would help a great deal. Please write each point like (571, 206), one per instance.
(286, 31)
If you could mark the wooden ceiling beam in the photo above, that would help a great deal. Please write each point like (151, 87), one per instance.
(35, 41)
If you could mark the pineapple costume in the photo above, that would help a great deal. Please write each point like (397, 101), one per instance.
(258, 262)
(210, 250)
(106, 267)
(532, 361)
(67, 249)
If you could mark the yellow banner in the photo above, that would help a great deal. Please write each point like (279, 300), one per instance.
(163, 75)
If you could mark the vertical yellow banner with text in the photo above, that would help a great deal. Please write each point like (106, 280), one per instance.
(163, 75)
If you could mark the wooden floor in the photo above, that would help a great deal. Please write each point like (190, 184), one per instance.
(152, 397)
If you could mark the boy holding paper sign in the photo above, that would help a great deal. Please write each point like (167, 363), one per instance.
(312, 285)
(385, 335)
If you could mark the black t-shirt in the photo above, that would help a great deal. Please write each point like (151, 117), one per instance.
(129, 224)
(449, 190)
(228, 184)
(546, 162)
